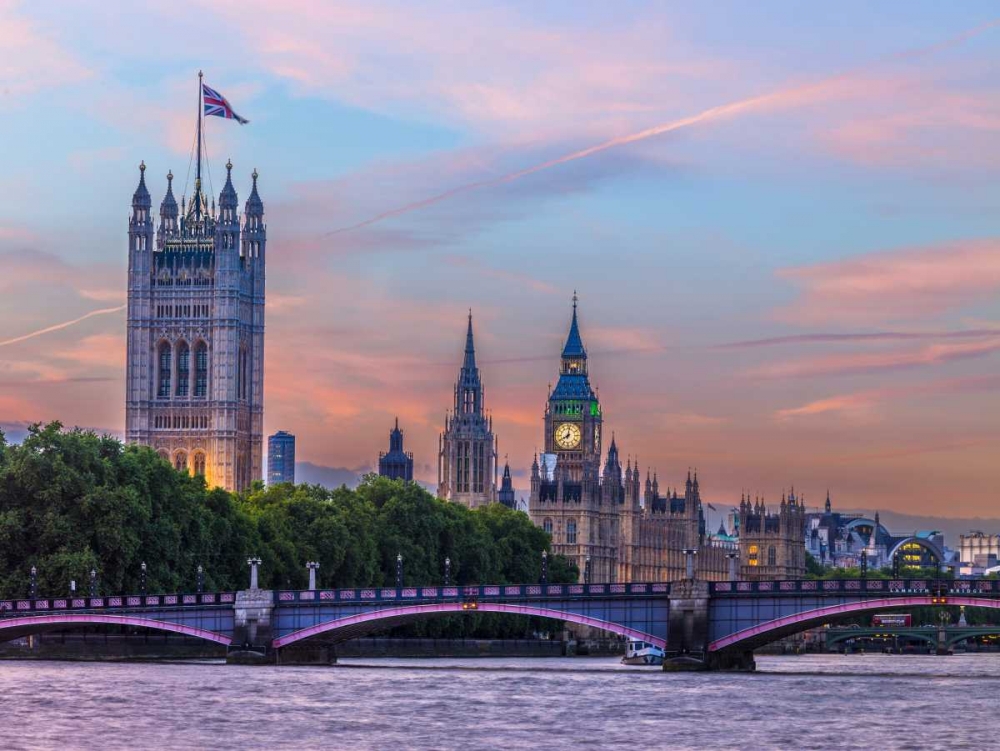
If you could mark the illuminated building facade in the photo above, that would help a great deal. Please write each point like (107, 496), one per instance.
(195, 344)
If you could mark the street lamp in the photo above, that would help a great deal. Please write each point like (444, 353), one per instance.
(253, 562)
(142, 579)
(312, 566)
(72, 587)
(33, 587)
(447, 572)
(586, 570)
(864, 564)
(93, 582)
(689, 554)
(545, 567)
(732, 565)
(201, 580)
(399, 570)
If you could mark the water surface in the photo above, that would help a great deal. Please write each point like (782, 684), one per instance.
(807, 702)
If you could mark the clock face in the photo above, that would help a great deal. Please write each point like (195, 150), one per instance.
(568, 435)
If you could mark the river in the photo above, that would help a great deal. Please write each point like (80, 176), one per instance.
(808, 702)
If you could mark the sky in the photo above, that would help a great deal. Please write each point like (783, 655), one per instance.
(782, 221)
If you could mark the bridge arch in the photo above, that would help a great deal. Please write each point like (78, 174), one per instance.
(768, 631)
(929, 636)
(16, 627)
(360, 624)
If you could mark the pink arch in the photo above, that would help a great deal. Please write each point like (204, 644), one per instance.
(64, 619)
(807, 617)
(414, 611)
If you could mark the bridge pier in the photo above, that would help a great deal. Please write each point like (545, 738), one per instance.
(252, 629)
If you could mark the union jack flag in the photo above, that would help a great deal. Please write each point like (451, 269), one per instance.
(216, 104)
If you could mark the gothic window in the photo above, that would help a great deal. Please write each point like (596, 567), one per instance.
(183, 368)
(241, 375)
(200, 369)
(199, 464)
(752, 551)
(164, 370)
(478, 464)
(772, 556)
(463, 467)
(181, 461)
(547, 526)
(571, 532)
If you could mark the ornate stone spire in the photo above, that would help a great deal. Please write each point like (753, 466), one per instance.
(228, 199)
(141, 199)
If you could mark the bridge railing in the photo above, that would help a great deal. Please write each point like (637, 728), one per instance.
(857, 586)
(482, 591)
(10, 608)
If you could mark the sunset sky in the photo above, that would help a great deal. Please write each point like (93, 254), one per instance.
(782, 221)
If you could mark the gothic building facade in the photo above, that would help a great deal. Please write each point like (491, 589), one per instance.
(195, 345)
(772, 543)
(614, 527)
(467, 449)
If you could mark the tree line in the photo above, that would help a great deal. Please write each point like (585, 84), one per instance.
(72, 501)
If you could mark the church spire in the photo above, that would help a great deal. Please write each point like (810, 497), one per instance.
(469, 389)
(141, 199)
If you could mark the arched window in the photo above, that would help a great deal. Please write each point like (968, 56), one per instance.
(163, 371)
(200, 369)
(183, 368)
(571, 532)
(547, 526)
(241, 376)
(199, 464)
(181, 461)
(772, 556)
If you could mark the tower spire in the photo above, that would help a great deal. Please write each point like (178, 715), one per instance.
(470, 347)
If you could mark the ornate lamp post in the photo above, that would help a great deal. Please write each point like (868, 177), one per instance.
(312, 566)
(33, 586)
(864, 564)
(142, 579)
(545, 567)
(447, 572)
(586, 570)
(253, 562)
(201, 580)
(399, 570)
(93, 582)
(689, 554)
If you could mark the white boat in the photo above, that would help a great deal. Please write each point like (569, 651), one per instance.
(642, 653)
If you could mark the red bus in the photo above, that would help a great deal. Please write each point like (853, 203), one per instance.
(892, 619)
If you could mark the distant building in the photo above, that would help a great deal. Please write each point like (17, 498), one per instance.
(844, 540)
(979, 549)
(467, 452)
(772, 544)
(280, 458)
(396, 464)
(506, 492)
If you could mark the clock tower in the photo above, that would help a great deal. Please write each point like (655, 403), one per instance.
(565, 489)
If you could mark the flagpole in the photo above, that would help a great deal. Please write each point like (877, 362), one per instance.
(197, 182)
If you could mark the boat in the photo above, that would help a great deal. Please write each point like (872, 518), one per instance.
(642, 653)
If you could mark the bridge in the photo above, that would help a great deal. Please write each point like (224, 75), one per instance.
(700, 625)
(941, 639)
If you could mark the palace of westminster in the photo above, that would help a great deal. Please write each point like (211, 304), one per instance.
(194, 393)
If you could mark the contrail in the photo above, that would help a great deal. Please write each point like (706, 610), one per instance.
(63, 325)
(708, 115)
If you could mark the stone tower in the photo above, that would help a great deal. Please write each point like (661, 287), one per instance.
(195, 347)
(467, 451)
(506, 494)
(396, 464)
(566, 492)
(772, 545)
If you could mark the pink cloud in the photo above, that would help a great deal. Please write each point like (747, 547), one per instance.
(870, 362)
(32, 59)
(894, 285)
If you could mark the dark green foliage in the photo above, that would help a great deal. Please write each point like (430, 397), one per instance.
(71, 501)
